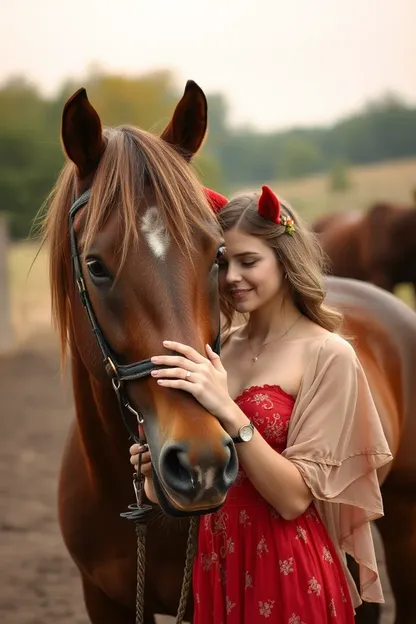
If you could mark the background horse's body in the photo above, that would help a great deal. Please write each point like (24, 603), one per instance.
(384, 331)
(377, 246)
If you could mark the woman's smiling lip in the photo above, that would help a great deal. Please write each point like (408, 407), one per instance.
(240, 293)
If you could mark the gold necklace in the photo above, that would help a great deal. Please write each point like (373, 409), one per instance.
(257, 355)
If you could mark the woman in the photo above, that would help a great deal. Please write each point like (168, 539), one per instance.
(308, 436)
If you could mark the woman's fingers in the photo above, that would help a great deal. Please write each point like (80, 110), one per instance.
(189, 352)
(174, 361)
(146, 469)
(173, 373)
(134, 459)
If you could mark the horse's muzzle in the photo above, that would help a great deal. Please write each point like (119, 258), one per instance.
(201, 479)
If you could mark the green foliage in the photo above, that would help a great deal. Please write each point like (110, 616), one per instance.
(209, 172)
(300, 158)
(30, 150)
(338, 177)
(31, 154)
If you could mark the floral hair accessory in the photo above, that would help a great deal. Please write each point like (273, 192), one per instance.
(288, 223)
(269, 208)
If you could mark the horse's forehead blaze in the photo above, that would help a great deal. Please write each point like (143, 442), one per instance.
(155, 232)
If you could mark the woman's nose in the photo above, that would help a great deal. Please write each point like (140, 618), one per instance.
(233, 275)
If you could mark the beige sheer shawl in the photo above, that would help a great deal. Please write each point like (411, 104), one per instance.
(336, 440)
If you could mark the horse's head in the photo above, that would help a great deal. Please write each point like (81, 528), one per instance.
(145, 243)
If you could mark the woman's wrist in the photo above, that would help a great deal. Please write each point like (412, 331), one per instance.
(233, 419)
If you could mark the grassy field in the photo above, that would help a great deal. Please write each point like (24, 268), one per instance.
(392, 181)
(311, 196)
(29, 288)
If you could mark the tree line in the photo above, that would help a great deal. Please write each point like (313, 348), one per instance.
(31, 154)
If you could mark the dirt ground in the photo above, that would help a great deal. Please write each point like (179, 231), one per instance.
(39, 583)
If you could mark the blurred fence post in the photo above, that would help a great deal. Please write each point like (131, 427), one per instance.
(7, 341)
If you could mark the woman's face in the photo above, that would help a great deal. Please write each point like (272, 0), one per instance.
(250, 274)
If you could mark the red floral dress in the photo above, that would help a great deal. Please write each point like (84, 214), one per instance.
(252, 566)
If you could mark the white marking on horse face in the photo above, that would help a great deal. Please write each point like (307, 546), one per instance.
(209, 478)
(205, 478)
(155, 232)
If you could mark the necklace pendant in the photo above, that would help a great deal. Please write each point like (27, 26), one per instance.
(255, 358)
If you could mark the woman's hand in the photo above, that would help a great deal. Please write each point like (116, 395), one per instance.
(146, 466)
(145, 469)
(203, 377)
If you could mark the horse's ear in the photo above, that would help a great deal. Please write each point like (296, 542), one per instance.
(82, 134)
(186, 130)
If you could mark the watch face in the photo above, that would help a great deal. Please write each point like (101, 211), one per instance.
(246, 433)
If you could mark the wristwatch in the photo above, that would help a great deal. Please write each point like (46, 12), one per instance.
(245, 433)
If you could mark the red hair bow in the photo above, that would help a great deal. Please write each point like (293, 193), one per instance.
(269, 208)
(269, 205)
(216, 200)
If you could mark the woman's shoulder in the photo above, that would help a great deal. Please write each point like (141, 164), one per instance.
(334, 344)
(327, 341)
(333, 356)
(328, 345)
(331, 359)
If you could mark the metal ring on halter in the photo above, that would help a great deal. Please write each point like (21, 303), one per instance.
(187, 374)
(116, 383)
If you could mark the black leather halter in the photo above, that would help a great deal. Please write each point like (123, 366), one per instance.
(118, 373)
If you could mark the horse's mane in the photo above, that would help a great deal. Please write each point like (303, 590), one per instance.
(132, 161)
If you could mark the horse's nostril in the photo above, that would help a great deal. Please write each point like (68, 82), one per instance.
(231, 468)
(176, 470)
(175, 464)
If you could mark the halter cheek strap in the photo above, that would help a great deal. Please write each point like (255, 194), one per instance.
(120, 374)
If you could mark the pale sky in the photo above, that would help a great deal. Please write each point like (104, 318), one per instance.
(278, 62)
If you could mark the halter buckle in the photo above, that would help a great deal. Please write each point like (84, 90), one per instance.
(81, 284)
(82, 290)
(110, 367)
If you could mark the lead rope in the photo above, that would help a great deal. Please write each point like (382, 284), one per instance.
(191, 548)
(138, 513)
(141, 529)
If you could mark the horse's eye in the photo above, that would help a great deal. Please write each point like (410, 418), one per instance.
(220, 253)
(97, 269)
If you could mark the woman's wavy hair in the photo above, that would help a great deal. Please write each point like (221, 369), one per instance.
(299, 253)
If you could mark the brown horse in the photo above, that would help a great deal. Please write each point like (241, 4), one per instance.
(130, 228)
(377, 246)
(384, 331)
(164, 287)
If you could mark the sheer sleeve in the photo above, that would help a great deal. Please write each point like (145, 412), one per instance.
(337, 442)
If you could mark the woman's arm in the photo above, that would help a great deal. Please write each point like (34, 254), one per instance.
(277, 479)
